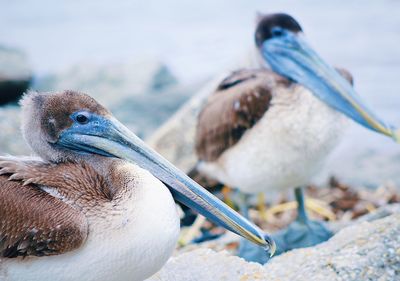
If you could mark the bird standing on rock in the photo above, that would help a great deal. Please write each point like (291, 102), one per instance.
(97, 204)
(272, 128)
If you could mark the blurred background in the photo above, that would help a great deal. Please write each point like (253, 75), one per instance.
(144, 59)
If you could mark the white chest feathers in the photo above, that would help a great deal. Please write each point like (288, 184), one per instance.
(131, 241)
(285, 148)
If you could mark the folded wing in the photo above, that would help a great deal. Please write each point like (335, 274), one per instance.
(237, 105)
(33, 222)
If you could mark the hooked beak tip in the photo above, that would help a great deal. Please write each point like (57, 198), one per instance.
(271, 247)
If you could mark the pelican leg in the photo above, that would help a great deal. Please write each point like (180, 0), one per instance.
(244, 205)
(226, 193)
(303, 232)
(261, 206)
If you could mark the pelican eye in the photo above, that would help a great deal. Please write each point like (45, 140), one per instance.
(276, 32)
(82, 119)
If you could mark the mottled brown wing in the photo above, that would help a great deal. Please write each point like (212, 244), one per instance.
(238, 103)
(34, 223)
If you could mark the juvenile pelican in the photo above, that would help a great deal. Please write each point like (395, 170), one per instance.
(93, 206)
(265, 129)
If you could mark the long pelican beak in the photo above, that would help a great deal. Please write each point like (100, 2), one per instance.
(290, 56)
(108, 137)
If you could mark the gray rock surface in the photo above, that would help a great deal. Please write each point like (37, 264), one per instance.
(175, 138)
(108, 83)
(368, 250)
(15, 74)
(146, 112)
(142, 93)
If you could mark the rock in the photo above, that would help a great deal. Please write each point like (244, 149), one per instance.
(145, 113)
(205, 264)
(380, 213)
(175, 138)
(363, 251)
(15, 74)
(109, 83)
(141, 94)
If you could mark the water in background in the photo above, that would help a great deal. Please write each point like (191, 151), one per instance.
(199, 38)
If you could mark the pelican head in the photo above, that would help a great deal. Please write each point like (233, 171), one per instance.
(70, 125)
(280, 40)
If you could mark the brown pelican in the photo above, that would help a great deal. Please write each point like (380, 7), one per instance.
(98, 203)
(271, 129)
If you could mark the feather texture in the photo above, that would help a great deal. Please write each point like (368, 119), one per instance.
(238, 103)
(43, 206)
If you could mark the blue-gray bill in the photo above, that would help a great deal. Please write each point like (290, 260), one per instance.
(108, 137)
(290, 56)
